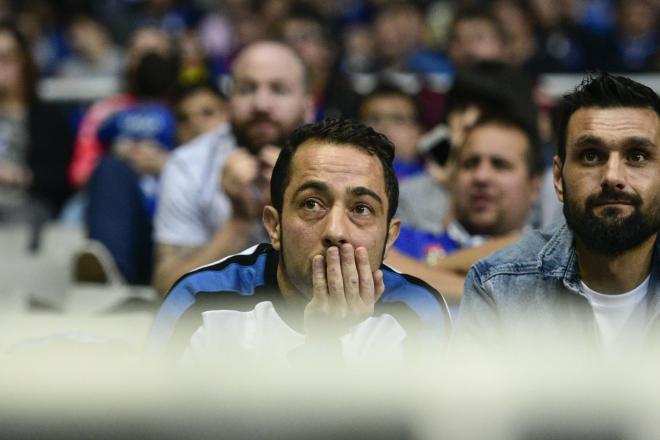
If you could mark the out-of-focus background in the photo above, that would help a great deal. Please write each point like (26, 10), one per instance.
(58, 58)
(73, 72)
(75, 53)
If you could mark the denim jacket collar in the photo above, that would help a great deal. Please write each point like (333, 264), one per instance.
(557, 259)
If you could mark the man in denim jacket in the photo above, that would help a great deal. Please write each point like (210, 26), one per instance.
(594, 277)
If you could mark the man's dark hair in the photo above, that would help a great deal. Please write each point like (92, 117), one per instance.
(604, 91)
(156, 76)
(183, 91)
(533, 155)
(336, 132)
(493, 87)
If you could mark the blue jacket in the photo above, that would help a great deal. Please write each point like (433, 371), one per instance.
(532, 289)
(241, 281)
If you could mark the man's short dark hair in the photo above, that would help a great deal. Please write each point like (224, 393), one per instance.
(493, 86)
(533, 155)
(604, 91)
(336, 132)
(183, 91)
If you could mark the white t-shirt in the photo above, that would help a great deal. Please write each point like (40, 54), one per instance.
(621, 318)
(191, 206)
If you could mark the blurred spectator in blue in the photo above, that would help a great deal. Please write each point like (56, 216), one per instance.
(35, 139)
(123, 189)
(483, 88)
(494, 183)
(637, 37)
(563, 46)
(94, 54)
(88, 147)
(392, 112)
(306, 31)
(200, 108)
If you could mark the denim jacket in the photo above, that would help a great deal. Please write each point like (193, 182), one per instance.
(532, 289)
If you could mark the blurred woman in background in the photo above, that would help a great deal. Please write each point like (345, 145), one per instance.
(35, 139)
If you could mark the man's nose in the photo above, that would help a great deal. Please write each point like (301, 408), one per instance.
(614, 173)
(263, 99)
(335, 230)
(483, 172)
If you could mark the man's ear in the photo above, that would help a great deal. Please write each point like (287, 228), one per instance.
(393, 233)
(557, 180)
(271, 220)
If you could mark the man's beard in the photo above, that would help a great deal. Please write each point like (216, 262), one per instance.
(247, 138)
(611, 234)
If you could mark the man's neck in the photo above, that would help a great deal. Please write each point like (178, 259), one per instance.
(615, 274)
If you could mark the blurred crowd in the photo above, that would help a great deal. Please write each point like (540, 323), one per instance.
(431, 75)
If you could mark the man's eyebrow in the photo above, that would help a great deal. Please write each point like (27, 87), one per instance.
(639, 142)
(586, 141)
(313, 184)
(364, 191)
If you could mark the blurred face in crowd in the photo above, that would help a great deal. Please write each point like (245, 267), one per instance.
(336, 195)
(306, 36)
(88, 37)
(475, 39)
(200, 112)
(493, 189)
(396, 117)
(269, 97)
(11, 65)
(610, 177)
(397, 32)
